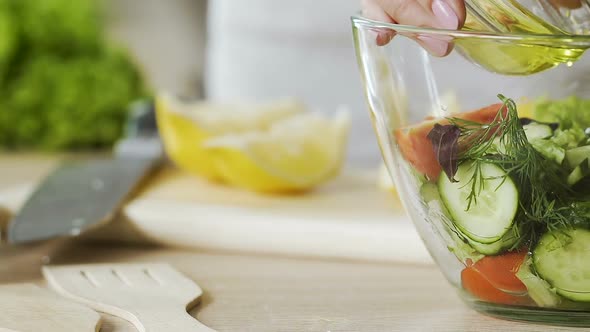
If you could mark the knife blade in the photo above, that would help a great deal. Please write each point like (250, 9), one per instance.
(80, 195)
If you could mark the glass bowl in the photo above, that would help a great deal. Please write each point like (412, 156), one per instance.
(488, 147)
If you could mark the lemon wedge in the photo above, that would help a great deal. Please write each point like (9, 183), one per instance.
(294, 154)
(185, 126)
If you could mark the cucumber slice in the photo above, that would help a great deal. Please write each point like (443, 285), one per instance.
(451, 236)
(561, 258)
(576, 156)
(497, 247)
(489, 249)
(488, 219)
(535, 130)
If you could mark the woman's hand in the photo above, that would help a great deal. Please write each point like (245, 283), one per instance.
(442, 14)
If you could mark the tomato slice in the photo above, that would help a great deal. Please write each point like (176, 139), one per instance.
(501, 270)
(493, 278)
(417, 148)
(476, 284)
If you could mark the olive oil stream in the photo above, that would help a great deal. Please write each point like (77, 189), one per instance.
(515, 57)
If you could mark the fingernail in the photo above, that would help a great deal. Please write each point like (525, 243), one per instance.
(436, 46)
(383, 38)
(447, 19)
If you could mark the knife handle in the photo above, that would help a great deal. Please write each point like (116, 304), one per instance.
(141, 134)
(142, 119)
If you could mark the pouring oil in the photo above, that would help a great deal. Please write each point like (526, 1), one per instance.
(514, 57)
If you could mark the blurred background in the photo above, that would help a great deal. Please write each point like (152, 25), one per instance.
(260, 49)
(65, 83)
(259, 105)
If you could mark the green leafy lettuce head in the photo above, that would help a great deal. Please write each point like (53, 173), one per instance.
(63, 86)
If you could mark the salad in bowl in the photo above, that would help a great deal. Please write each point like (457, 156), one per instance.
(493, 169)
(512, 195)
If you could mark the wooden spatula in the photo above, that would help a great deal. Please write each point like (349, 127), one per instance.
(29, 308)
(153, 297)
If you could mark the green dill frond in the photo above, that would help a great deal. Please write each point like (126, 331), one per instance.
(545, 199)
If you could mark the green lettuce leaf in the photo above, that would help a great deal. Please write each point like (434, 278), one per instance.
(571, 112)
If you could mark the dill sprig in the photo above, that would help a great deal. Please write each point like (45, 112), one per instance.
(546, 202)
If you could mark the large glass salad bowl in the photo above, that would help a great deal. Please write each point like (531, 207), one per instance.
(489, 147)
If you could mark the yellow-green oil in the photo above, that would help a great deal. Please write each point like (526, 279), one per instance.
(515, 57)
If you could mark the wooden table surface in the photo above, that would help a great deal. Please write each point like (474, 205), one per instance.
(266, 293)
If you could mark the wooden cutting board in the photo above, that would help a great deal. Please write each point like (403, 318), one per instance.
(348, 218)
(29, 308)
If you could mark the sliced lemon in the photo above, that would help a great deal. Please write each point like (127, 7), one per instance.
(185, 126)
(294, 154)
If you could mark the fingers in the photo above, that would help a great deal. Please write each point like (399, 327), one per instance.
(372, 10)
(442, 14)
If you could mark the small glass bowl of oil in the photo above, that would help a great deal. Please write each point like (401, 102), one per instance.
(529, 16)
(551, 22)
(522, 55)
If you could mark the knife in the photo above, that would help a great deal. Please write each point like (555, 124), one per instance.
(81, 195)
